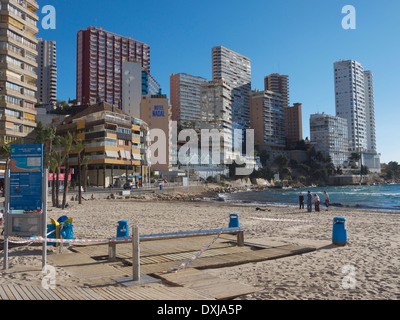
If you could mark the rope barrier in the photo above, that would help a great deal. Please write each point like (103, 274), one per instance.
(218, 232)
(155, 236)
(291, 220)
(198, 254)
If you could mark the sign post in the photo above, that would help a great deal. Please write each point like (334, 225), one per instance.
(26, 196)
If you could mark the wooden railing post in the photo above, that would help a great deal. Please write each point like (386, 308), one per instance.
(135, 254)
(112, 251)
(240, 239)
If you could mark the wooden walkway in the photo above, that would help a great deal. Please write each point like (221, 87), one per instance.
(149, 292)
(89, 263)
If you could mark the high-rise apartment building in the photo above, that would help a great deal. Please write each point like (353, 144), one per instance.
(18, 52)
(350, 102)
(136, 82)
(370, 110)
(100, 55)
(280, 84)
(354, 94)
(185, 99)
(293, 124)
(47, 73)
(329, 135)
(216, 113)
(235, 70)
(267, 120)
(131, 88)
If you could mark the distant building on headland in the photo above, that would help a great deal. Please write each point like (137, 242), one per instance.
(329, 135)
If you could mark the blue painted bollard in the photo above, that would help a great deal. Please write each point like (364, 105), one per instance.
(122, 229)
(234, 221)
(339, 234)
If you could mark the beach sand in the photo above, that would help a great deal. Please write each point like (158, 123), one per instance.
(372, 251)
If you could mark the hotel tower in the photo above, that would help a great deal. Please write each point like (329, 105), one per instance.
(235, 70)
(354, 96)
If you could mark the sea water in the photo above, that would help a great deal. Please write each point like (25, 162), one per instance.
(375, 197)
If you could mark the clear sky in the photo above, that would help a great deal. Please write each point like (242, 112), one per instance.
(300, 38)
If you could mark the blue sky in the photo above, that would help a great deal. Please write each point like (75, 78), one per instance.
(300, 38)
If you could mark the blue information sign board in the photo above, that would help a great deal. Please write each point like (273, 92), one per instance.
(26, 174)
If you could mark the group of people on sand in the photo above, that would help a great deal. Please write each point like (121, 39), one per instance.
(310, 200)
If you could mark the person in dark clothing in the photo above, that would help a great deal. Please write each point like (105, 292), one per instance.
(301, 201)
(310, 200)
(327, 200)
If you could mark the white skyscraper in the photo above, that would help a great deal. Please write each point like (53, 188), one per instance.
(350, 102)
(354, 98)
(235, 69)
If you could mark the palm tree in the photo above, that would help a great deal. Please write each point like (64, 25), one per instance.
(79, 147)
(53, 169)
(56, 161)
(5, 152)
(67, 143)
(85, 161)
(45, 136)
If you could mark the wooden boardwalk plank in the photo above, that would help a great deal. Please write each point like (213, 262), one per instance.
(38, 296)
(209, 285)
(14, 292)
(22, 292)
(8, 292)
(30, 295)
(101, 293)
(39, 293)
(3, 294)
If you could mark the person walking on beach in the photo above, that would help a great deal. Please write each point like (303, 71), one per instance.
(317, 202)
(326, 200)
(309, 201)
(301, 201)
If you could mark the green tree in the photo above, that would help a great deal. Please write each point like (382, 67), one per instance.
(264, 157)
(355, 156)
(45, 136)
(5, 152)
(392, 170)
(282, 162)
(364, 170)
(56, 161)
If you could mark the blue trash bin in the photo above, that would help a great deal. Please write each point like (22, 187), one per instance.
(62, 219)
(234, 220)
(161, 186)
(123, 229)
(67, 231)
(339, 234)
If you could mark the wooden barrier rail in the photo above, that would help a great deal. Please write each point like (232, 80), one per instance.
(112, 245)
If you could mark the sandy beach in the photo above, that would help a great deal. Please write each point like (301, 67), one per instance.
(371, 253)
